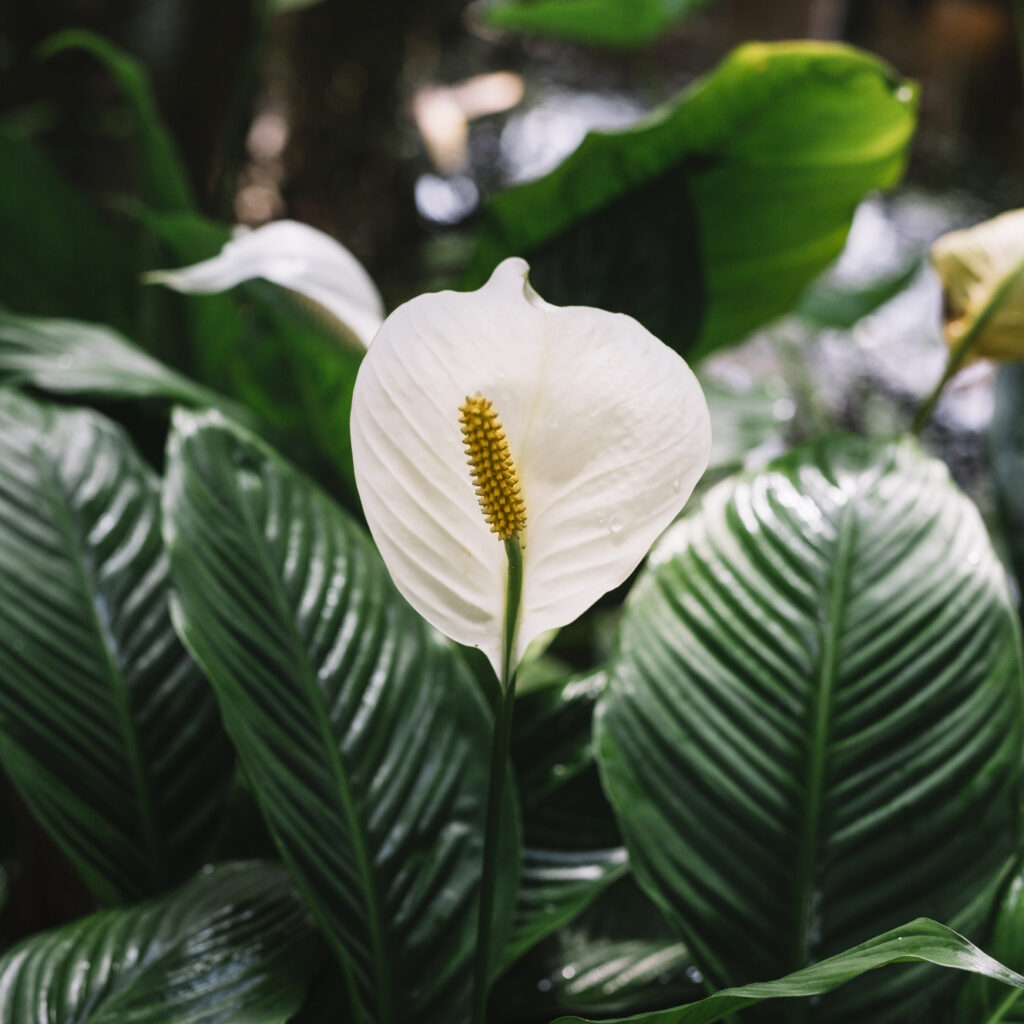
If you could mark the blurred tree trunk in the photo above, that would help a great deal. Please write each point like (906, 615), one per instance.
(346, 163)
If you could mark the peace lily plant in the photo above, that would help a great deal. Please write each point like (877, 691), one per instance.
(515, 461)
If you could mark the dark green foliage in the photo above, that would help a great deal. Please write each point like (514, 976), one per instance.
(364, 736)
(813, 726)
(107, 727)
(234, 944)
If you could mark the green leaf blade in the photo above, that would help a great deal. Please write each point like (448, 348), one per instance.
(751, 178)
(106, 725)
(814, 721)
(921, 940)
(364, 736)
(234, 944)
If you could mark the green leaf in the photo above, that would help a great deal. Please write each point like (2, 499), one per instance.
(572, 849)
(813, 724)
(107, 727)
(60, 259)
(74, 358)
(233, 945)
(921, 940)
(839, 306)
(162, 177)
(622, 24)
(981, 1001)
(618, 956)
(365, 737)
(711, 216)
(1007, 457)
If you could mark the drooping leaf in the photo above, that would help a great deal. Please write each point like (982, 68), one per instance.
(813, 726)
(60, 258)
(233, 945)
(75, 358)
(982, 272)
(715, 212)
(162, 177)
(572, 849)
(363, 734)
(1007, 458)
(622, 24)
(107, 727)
(921, 940)
(617, 957)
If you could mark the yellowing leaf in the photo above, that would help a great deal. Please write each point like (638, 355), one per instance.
(982, 272)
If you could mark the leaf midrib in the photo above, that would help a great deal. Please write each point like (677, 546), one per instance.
(156, 867)
(300, 661)
(820, 733)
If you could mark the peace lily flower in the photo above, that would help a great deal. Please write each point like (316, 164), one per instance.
(295, 256)
(571, 434)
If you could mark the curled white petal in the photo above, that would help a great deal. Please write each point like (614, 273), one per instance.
(608, 428)
(295, 256)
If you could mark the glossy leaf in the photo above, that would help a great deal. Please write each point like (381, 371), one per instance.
(106, 725)
(622, 24)
(813, 726)
(233, 945)
(719, 208)
(364, 736)
(76, 358)
(921, 940)
(572, 849)
(618, 956)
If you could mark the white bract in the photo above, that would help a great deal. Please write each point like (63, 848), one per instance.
(607, 427)
(295, 256)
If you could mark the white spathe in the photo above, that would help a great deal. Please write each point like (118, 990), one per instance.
(608, 428)
(295, 256)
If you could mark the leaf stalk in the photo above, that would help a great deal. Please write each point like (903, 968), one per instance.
(496, 785)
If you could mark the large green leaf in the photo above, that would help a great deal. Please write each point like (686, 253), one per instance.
(365, 737)
(106, 725)
(233, 946)
(710, 217)
(572, 849)
(921, 940)
(813, 725)
(621, 24)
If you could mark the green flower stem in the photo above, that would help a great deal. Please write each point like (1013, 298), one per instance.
(496, 786)
(957, 355)
(962, 346)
